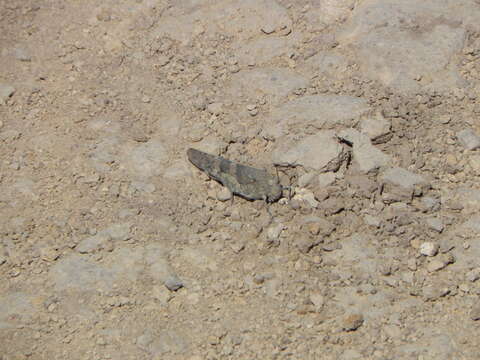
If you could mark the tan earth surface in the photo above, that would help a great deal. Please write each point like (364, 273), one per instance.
(114, 246)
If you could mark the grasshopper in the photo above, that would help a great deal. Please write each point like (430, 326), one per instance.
(245, 181)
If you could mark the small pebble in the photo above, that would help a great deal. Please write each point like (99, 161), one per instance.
(468, 139)
(173, 283)
(475, 312)
(268, 28)
(435, 224)
(376, 128)
(429, 204)
(435, 265)
(445, 119)
(434, 292)
(224, 194)
(472, 276)
(259, 279)
(352, 322)
(305, 244)
(6, 91)
(440, 262)
(429, 248)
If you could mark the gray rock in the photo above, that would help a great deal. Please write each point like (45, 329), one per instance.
(159, 268)
(401, 185)
(317, 111)
(473, 275)
(367, 156)
(320, 152)
(376, 127)
(362, 185)
(434, 291)
(173, 282)
(6, 91)
(440, 262)
(435, 224)
(429, 248)
(429, 204)
(469, 139)
(305, 244)
(410, 57)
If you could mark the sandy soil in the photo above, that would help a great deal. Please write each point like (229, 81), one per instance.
(114, 246)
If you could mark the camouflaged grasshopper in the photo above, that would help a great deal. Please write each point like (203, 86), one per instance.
(245, 181)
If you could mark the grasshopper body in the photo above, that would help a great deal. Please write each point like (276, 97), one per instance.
(248, 182)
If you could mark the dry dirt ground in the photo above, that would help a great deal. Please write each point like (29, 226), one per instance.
(114, 246)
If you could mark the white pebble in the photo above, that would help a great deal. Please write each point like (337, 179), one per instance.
(429, 248)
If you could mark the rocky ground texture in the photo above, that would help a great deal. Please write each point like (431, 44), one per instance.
(113, 246)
